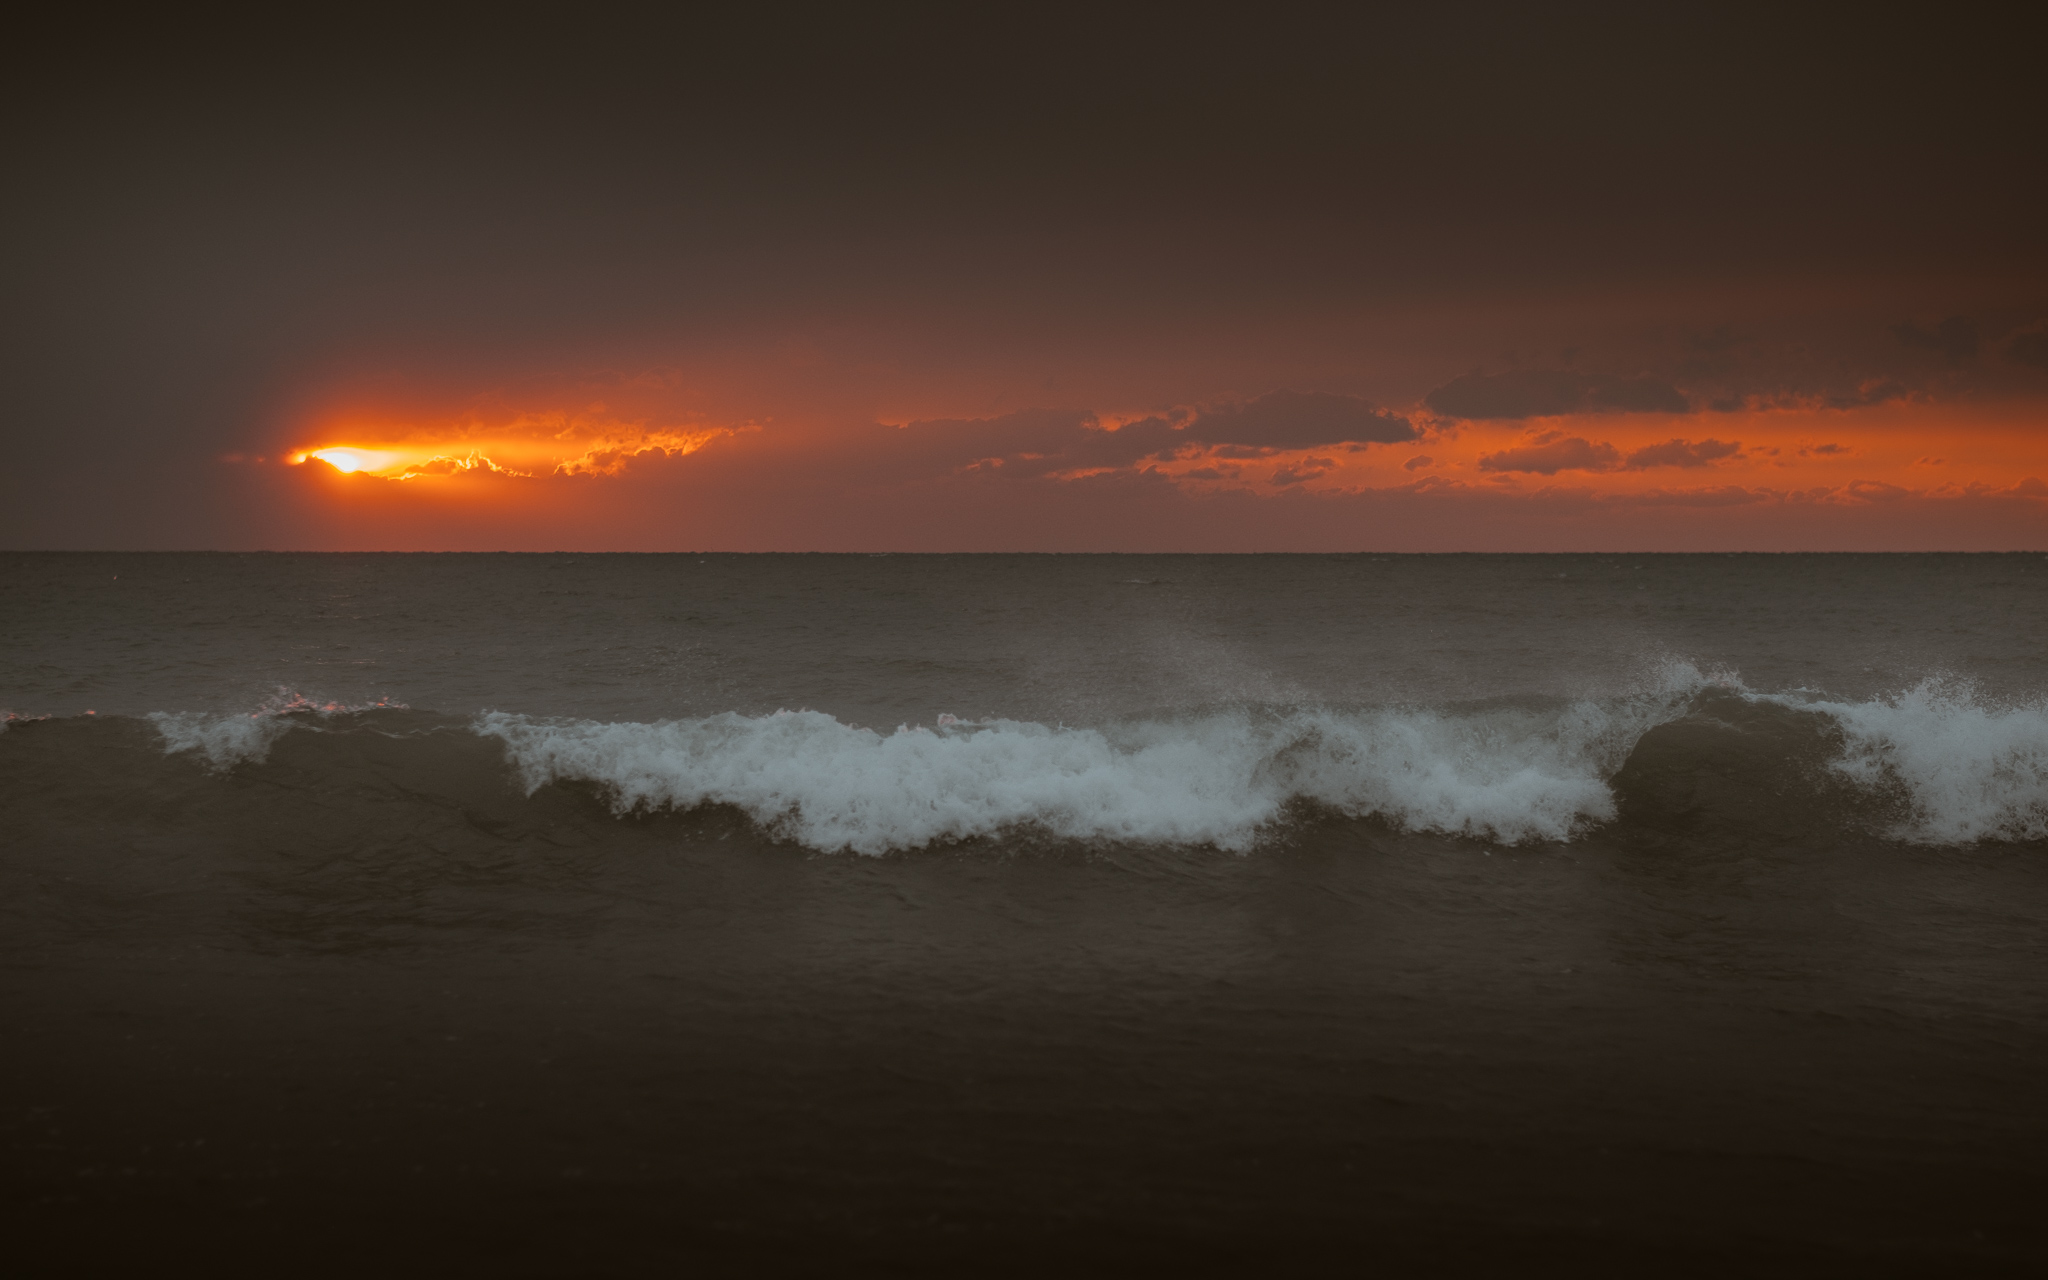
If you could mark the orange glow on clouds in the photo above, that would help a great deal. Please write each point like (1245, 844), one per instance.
(576, 449)
(347, 461)
(1891, 476)
(1925, 450)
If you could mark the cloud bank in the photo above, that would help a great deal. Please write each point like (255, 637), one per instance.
(1552, 452)
(1042, 442)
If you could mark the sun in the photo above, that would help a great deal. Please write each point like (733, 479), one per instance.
(604, 449)
(348, 461)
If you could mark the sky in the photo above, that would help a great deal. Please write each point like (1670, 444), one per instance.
(1486, 278)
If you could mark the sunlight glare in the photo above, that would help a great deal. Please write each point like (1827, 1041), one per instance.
(348, 461)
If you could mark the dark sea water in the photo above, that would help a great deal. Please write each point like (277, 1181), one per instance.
(595, 915)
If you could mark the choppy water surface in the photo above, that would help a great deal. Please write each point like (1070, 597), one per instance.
(1683, 911)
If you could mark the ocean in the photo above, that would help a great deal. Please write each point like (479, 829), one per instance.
(580, 914)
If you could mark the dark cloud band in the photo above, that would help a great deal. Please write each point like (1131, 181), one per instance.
(1037, 442)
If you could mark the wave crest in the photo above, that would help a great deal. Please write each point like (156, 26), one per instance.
(1945, 765)
(246, 737)
(1506, 774)
(1968, 771)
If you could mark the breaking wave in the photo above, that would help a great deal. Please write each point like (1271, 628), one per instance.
(1936, 763)
(1505, 774)
(1965, 770)
(229, 740)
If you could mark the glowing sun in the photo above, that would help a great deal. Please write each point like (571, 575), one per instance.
(353, 460)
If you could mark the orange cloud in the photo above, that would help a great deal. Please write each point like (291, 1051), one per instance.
(524, 449)
(1295, 470)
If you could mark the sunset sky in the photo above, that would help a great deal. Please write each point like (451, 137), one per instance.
(1486, 279)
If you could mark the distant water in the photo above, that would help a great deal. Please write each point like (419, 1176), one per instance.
(1645, 911)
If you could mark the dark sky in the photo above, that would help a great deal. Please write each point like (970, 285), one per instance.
(216, 234)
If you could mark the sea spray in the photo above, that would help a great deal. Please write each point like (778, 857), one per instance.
(1507, 774)
(1969, 769)
(1961, 768)
(235, 738)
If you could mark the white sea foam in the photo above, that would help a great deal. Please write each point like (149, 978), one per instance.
(1506, 774)
(1971, 771)
(227, 740)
